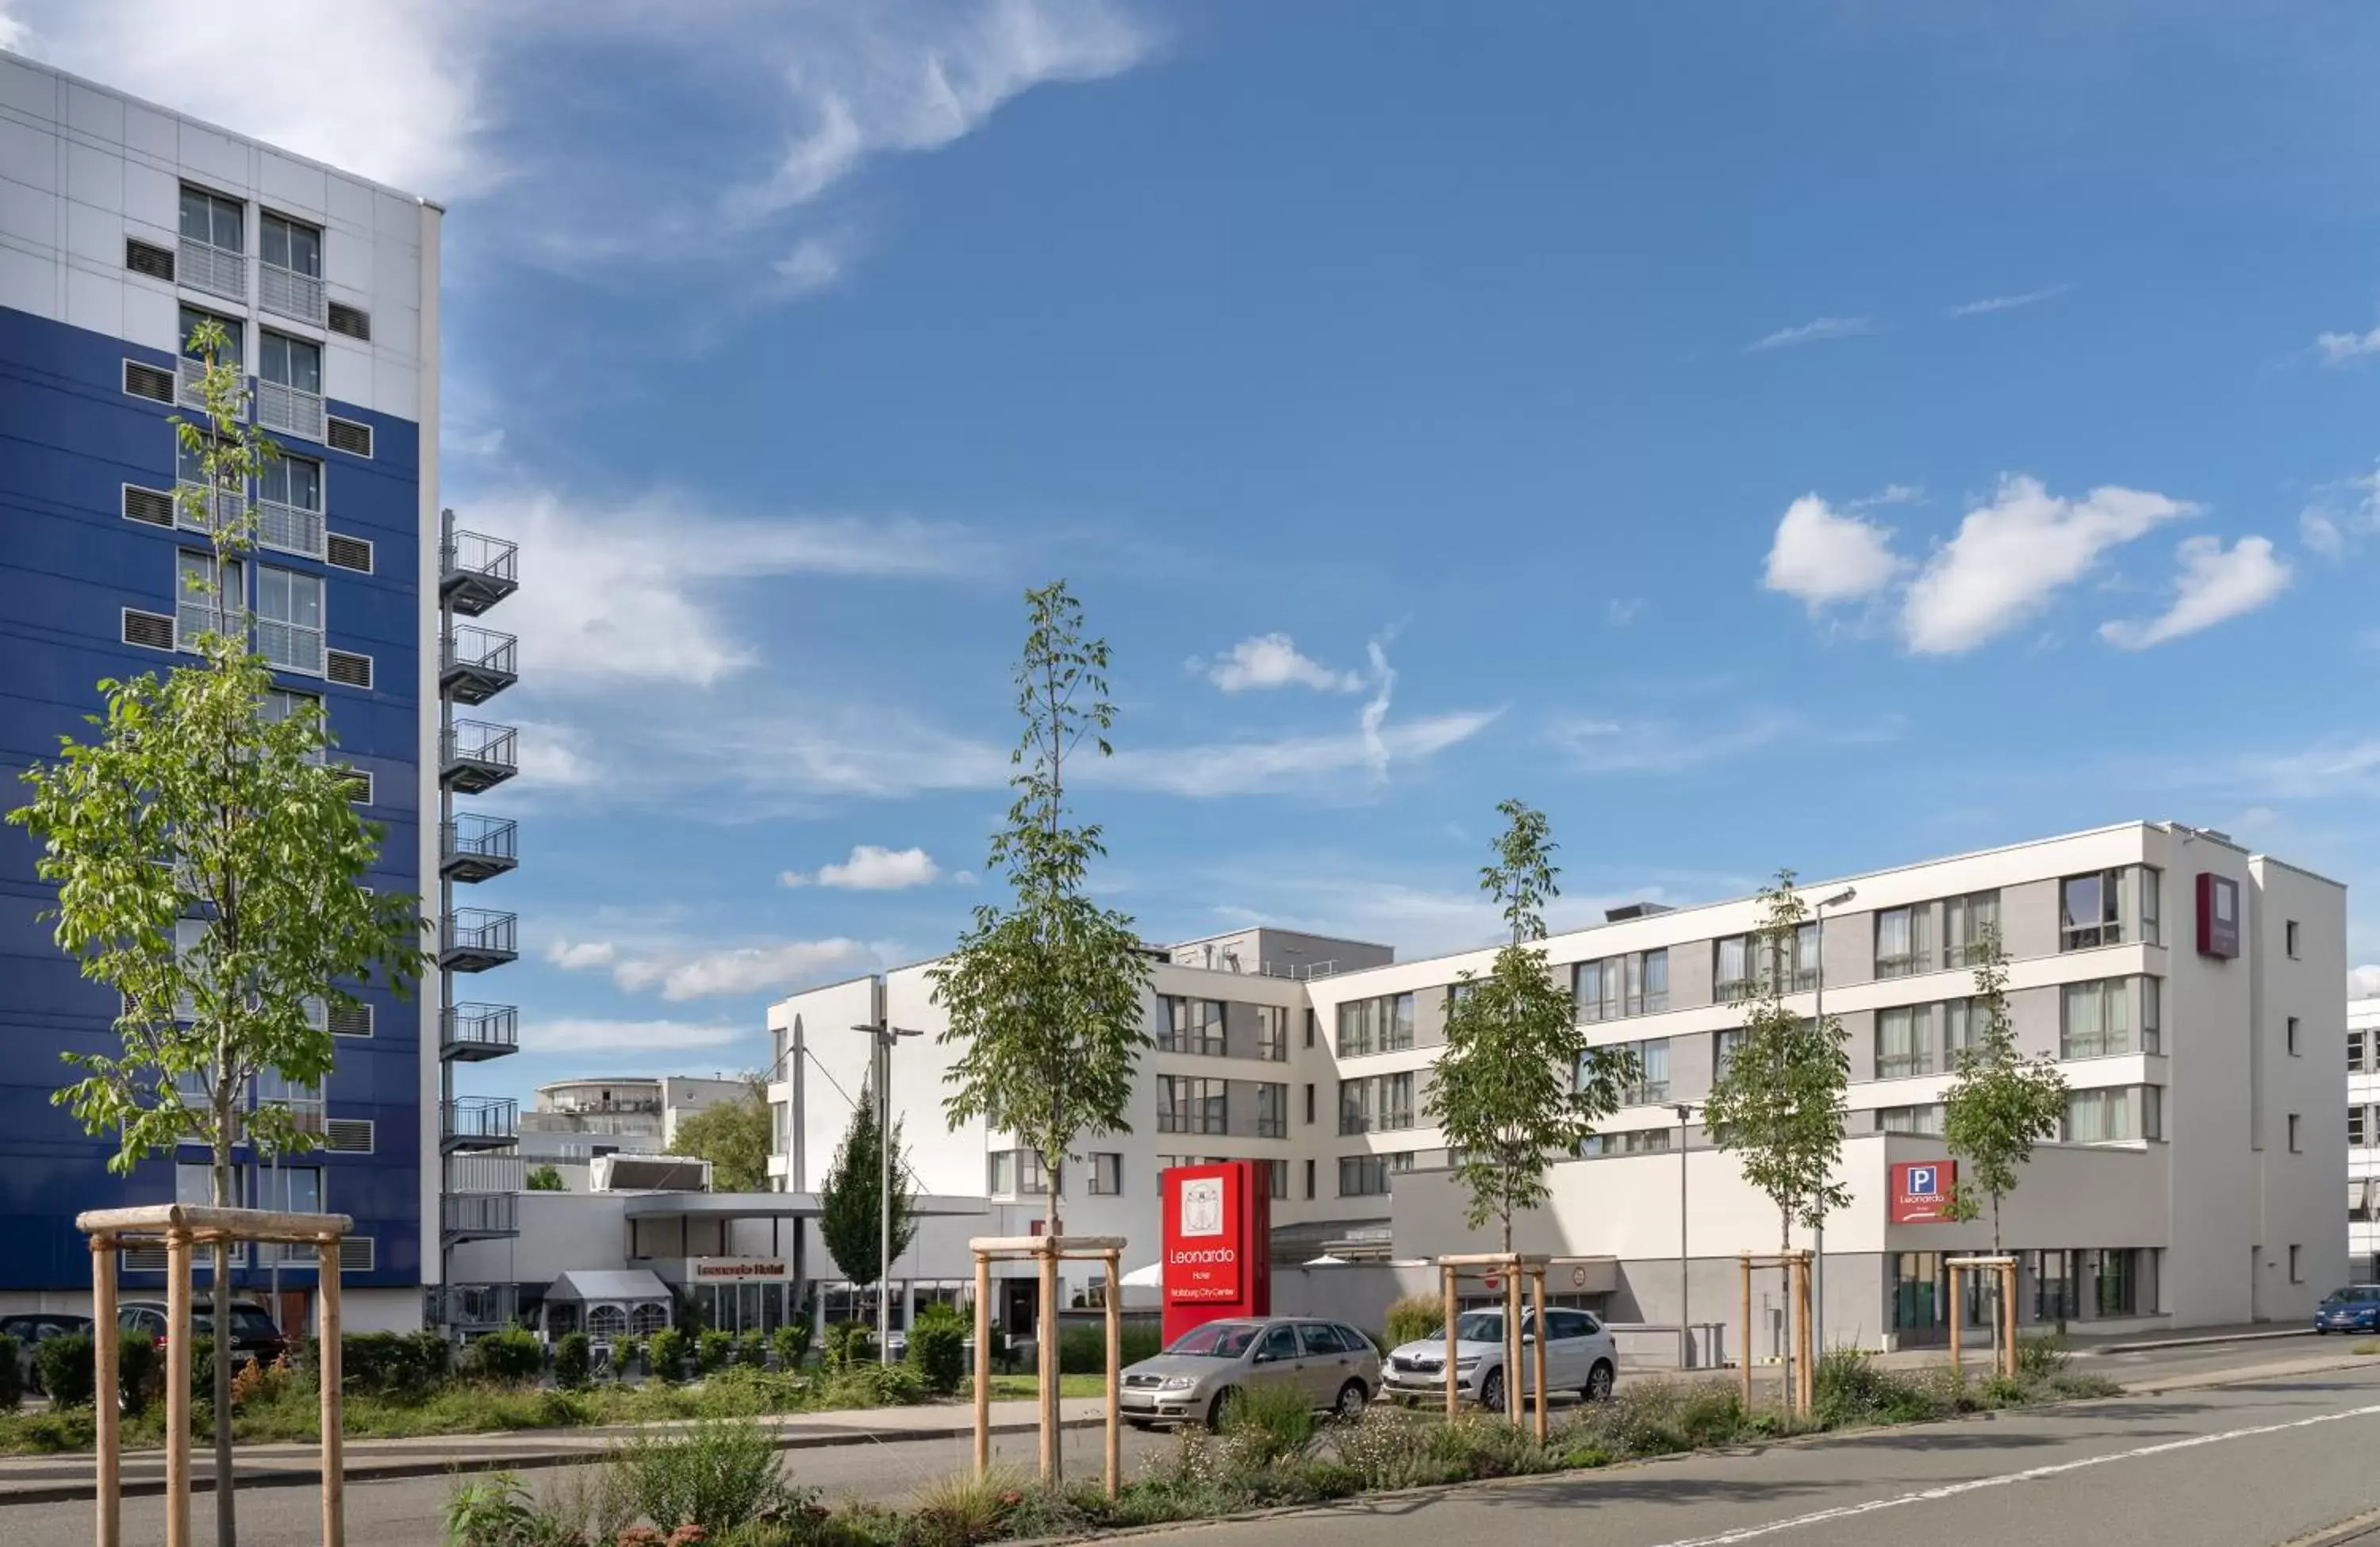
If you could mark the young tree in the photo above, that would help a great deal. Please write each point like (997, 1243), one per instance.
(208, 872)
(848, 1216)
(1518, 1084)
(2000, 1103)
(734, 1136)
(1778, 1106)
(545, 1178)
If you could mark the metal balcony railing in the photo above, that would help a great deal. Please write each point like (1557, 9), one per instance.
(292, 410)
(475, 571)
(475, 664)
(292, 293)
(477, 755)
(473, 1031)
(465, 1216)
(475, 847)
(221, 505)
(193, 617)
(481, 1122)
(289, 528)
(291, 646)
(475, 939)
(216, 270)
(472, 1307)
(191, 374)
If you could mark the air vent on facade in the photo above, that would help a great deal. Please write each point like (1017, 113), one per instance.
(145, 1260)
(350, 553)
(347, 436)
(348, 668)
(356, 1254)
(348, 1136)
(355, 1022)
(152, 506)
(353, 322)
(147, 381)
(150, 630)
(359, 785)
(157, 262)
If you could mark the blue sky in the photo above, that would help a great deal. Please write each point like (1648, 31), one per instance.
(1784, 435)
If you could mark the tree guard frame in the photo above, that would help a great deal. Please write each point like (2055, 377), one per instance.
(1511, 1267)
(1047, 1251)
(2003, 1270)
(181, 1228)
(1802, 1390)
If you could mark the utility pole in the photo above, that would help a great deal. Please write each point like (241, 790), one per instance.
(1685, 1322)
(1818, 1013)
(880, 1071)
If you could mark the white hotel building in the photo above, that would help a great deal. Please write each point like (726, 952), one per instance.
(2195, 1181)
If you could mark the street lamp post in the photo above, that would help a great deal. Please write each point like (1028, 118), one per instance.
(1685, 1322)
(1818, 1014)
(880, 1070)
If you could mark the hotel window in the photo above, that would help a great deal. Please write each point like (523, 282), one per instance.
(1925, 1118)
(2359, 1127)
(1636, 984)
(1723, 1046)
(2150, 879)
(281, 702)
(197, 609)
(1272, 1033)
(2094, 1019)
(291, 362)
(2108, 1116)
(1309, 1181)
(2290, 938)
(1652, 1081)
(2355, 1052)
(1310, 1019)
(1735, 967)
(1193, 1026)
(2095, 908)
(1382, 1025)
(289, 619)
(2297, 1270)
(192, 318)
(1803, 976)
(1187, 1105)
(213, 219)
(1016, 1173)
(1377, 1102)
(1904, 1041)
(1272, 1111)
(2291, 1033)
(1964, 1022)
(2296, 1148)
(1309, 1101)
(1106, 1174)
(291, 481)
(2153, 1016)
(1904, 941)
(1643, 1141)
(2114, 1280)
(289, 245)
(1274, 1177)
(1367, 1175)
(1968, 924)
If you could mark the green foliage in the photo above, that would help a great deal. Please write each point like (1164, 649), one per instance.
(511, 1355)
(1083, 1350)
(1044, 996)
(1414, 1318)
(573, 1361)
(716, 1473)
(751, 1351)
(405, 1367)
(1518, 1084)
(665, 1354)
(1270, 1424)
(792, 1343)
(869, 1385)
(735, 1136)
(139, 1372)
(545, 1178)
(12, 1374)
(64, 1365)
(490, 1511)
(937, 1349)
(1778, 1104)
(1850, 1388)
(849, 1199)
(625, 1352)
(2000, 1103)
(2041, 1355)
(712, 1349)
(849, 1343)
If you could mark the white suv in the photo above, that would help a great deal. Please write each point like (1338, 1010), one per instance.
(1580, 1356)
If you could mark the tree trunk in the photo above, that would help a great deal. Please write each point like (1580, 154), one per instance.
(225, 1531)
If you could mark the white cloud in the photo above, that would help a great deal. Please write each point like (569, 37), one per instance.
(2342, 515)
(2008, 303)
(1274, 661)
(598, 1037)
(2364, 982)
(1620, 611)
(2214, 584)
(390, 90)
(2011, 555)
(577, 955)
(2337, 347)
(1606, 746)
(554, 756)
(814, 263)
(1816, 331)
(686, 971)
(2318, 530)
(791, 879)
(875, 869)
(1821, 557)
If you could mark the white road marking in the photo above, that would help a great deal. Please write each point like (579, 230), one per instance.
(1953, 1489)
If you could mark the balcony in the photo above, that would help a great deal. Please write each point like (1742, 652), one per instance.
(474, 938)
(479, 1122)
(293, 647)
(474, 1033)
(475, 756)
(474, 664)
(292, 410)
(290, 529)
(216, 270)
(288, 293)
(475, 572)
(193, 506)
(193, 617)
(474, 848)
(192, 377)
(478, 1216)
(471, 1308)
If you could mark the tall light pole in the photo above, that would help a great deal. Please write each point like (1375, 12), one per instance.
(1685, 1322)
(1818, 1014)
(880, 1071)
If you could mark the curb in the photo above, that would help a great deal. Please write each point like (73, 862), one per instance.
(2341, 1533)
(2154, 1345)
(275, 1475)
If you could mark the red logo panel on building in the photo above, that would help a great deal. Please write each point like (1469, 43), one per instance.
(1921, 1191)
(2218, 915)
(1217, 1244)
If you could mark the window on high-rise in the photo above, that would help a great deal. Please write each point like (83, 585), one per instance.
(291, 245)
(296, 363)
(1904, 941)
(1635, 984)
(228, 353)
(1904, 1041)
(2094, 1019)
(1190, 1026)
(1382, 1025)
(1968, 924)
(291, 481)
(2107, 907)
(213, 219)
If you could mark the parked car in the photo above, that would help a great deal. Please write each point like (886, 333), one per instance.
(253, 1336)
(1580, 1356)
(35, 1328)
(1195, 1381)
(2353, 1308)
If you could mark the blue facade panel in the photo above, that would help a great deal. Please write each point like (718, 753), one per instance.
(70, 439)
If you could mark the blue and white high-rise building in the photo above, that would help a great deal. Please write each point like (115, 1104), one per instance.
(123, 226)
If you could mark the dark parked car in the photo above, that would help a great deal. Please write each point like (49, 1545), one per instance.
(34, 1328)
(2353, 1308)
(253, 1336)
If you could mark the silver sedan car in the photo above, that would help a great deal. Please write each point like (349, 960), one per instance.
(1194, 1381)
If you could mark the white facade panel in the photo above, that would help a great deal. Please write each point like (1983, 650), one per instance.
(99, 115)
(292, 188)
(151, 316)
(27, 90)
(215, 159)
(94, 236)
(27, 215)
(152, 198)
(95, 176)
(152, 134)
(28, 281)
(94, 301)
(31, 154)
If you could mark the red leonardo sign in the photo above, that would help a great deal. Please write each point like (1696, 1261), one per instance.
(1217, 1241)
(1922, 1189)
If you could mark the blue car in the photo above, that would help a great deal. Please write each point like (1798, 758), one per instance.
(2353, 1308)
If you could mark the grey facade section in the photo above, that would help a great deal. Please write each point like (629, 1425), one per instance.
(1690, 975)
(2029, 919)
(1846, 949)
(1859, 1030)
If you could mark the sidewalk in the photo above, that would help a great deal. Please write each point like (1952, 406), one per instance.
(52, 1478)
